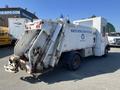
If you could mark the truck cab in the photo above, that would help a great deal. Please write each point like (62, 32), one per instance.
(100, 24)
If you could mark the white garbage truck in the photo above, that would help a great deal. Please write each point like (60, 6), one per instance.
(45, 43)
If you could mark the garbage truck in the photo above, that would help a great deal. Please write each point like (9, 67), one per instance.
(45, 43)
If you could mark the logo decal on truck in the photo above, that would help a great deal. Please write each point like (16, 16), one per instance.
(82, 36)
(80, 31)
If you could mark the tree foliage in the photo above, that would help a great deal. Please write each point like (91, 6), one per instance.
(110, 27)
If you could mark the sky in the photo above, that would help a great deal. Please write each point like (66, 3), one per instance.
(74, 9)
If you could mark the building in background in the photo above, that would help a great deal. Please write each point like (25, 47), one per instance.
(110, 28)
(14, 12)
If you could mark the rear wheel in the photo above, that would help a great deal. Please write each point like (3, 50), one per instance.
(74, 63)
(71, 60)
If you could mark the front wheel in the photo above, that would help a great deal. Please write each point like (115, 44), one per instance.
(105, 52)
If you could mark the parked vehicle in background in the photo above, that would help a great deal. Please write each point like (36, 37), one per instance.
(5, 37)
(17, 27)
(114, 38)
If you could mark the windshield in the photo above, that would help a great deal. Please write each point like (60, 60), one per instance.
(114, 34)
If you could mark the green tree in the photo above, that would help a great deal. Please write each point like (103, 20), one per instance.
(110, 28)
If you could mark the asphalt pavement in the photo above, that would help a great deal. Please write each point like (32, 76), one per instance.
(95, 73)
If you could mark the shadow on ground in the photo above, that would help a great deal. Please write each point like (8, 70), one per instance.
(114, 46)
(6, 51)
(91, 66)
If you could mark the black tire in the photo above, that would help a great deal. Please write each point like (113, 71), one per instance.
(105, 52)
(71, 60)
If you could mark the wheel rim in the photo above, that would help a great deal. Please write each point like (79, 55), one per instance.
(76, 62)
